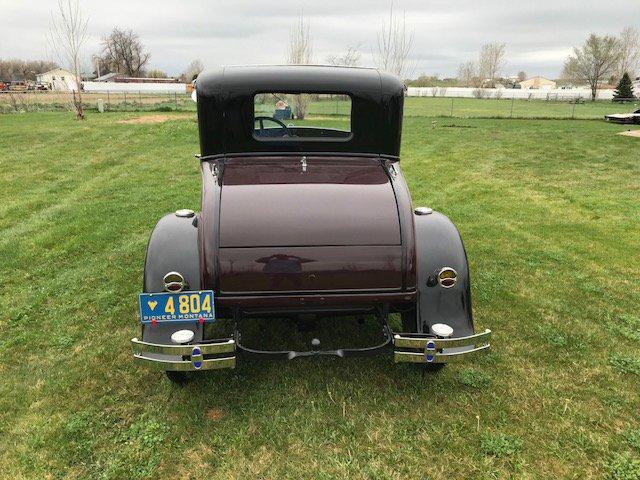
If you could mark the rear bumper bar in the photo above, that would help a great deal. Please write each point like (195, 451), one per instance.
(216, 354)
(421, 348)
(203, 356)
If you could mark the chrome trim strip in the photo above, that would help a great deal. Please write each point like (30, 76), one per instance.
(420, 357)
(414, 341)
(447, 357)
(186, 365)
(227, 346)
(408, 342)
(408, 357)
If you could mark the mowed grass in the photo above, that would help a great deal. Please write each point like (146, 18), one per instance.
(507, 108)
(549, 211)
(414, 106)
(481, 108)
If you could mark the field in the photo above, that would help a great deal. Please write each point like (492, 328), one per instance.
(550, 213)
(414, 106)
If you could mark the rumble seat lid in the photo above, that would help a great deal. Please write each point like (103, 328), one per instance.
(332, 201)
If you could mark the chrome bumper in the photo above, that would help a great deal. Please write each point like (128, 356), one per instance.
(422, 348)
(203, 356)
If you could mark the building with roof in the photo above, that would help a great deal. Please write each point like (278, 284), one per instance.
(122, 78)
(537, 83)
(58, 79)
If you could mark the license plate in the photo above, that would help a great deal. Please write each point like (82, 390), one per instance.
(177, 307)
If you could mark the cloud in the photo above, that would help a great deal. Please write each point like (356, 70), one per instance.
(538, 34)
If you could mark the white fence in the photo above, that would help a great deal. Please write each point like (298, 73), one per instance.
(557, 94)
(121, 87)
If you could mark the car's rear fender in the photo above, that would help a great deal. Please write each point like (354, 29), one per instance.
(173, 247)
(439, 245)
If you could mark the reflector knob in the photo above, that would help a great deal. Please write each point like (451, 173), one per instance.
(182, 336)
(185, 213)
(441, 330)
(423, 211)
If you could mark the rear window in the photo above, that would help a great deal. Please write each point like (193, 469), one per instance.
(301, 116)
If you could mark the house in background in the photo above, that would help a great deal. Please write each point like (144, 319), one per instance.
(58, 79)
(538, 83)
(636, 87)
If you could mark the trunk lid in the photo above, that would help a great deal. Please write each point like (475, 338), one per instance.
(331, 225)
(279, 202)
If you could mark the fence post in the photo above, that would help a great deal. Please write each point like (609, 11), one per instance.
(125, 96)
(140, 97)
(451, 113)
(573, 110)
(175, 96)
(512, 102)
(108, 100)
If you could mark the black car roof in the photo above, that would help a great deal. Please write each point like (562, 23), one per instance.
(225, 107)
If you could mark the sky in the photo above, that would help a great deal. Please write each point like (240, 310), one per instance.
(538, 34)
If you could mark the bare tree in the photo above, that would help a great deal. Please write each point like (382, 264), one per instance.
(123, 52)
(629, 52)
(491, 61)
(300, 53)
(469, 74)
(522, 76)
(394, 44)
(192, 71)
(593, 62)
(350, 58)
(68, 34)
(24, 70)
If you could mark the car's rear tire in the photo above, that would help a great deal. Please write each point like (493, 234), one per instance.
(179, 378)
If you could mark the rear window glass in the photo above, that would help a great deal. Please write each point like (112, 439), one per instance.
(301, 116)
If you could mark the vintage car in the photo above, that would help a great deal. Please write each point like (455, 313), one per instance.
(627, 118)
(308, 218)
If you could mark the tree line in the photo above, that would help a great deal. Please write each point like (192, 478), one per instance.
(23, 70)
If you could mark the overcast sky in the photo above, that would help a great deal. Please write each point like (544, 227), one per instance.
(539, 34)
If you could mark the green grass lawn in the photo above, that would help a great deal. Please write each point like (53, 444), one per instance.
(414, 106)
(506, 108)
(482, 108)
(550, 213)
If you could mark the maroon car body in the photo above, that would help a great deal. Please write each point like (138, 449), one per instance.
(331, 230)
(308, 220)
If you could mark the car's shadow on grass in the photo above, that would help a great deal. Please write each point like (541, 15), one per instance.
(259, 377)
